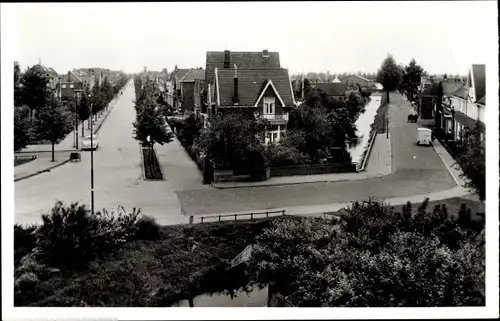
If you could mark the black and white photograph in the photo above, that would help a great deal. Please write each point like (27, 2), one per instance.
(250, 155)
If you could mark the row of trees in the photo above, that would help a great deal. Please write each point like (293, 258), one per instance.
(328, 77)
(150, 126)
(40, 115)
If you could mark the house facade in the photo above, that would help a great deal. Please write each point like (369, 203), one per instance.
(426, 107)
(190, 89)
(70, 86)
(265, 93)
(466, 106)
(173, 87)
(353, 80)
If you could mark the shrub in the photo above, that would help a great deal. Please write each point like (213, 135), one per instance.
(281, 155)
(147, 228)
(71, 235)
(24, 241)
(26, 288)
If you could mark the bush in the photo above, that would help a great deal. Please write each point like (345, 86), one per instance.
(280, 155)
(71, 235)
(147, 228)
(24, 241)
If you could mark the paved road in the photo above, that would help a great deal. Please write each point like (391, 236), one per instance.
(416, 170)
(117, 175)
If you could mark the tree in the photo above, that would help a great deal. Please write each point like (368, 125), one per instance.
(150, 123)
(52, 123)
(373, 257)
(389, 75)
(413, 73)
(21, 130)
(472, 159)
(35, 93)
(17, 88)
(232, 138)
(84, 110)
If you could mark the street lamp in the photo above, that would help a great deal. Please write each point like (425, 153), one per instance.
(91, 159)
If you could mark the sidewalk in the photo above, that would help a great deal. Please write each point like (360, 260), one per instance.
(43, 162)
(379, 164)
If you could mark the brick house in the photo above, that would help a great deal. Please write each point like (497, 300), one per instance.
(426, 107)
(267, 93)
(255, 60)
(331, 89)
(50, 74)
(70, 86)
(190, 88)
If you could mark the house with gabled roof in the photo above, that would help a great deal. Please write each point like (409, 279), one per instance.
(264, 59)
(174, 87)
(427, 99)
(332, 89)
(191, 87)
(265, 93)
(354, 80)
(468, 103)
(70, 86)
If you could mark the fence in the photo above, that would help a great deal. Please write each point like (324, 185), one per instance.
(219, 218)
(368, 152)
(313, 169)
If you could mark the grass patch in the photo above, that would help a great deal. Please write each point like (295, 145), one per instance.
(187, 260)
(22, 160)
(152, 169)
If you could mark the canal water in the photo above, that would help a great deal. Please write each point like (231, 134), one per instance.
(363, 128)
(256, 298)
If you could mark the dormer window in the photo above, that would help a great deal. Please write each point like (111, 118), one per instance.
(265, 53)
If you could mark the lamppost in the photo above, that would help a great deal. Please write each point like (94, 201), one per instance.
(91, 159)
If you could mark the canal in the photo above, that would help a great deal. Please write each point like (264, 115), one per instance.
(363, 127)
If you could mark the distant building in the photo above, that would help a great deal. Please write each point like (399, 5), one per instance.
(353, 80)
(70, 86)
(334, 90)
(174, 87)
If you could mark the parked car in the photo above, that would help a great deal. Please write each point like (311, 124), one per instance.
(86, 143)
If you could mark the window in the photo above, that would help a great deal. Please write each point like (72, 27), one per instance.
(71, 86)
(63, 86)
(268, 105)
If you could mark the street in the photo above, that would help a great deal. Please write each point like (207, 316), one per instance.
(117, 175)
(416, 170)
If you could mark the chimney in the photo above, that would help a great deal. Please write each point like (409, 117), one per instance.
(265, 53)
(226, 59)
(236, 99)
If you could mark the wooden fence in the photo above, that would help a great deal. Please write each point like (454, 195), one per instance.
(234, 217)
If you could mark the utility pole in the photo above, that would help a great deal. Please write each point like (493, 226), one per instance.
(91, 161)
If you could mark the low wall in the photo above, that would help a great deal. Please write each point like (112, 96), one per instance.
(313, 169)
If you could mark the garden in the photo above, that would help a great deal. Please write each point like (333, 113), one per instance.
(371, 255)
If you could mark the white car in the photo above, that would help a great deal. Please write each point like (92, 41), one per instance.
(86, 143)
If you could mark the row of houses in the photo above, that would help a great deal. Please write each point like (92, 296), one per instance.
(254, 81)
(72, 84)
(452, 105)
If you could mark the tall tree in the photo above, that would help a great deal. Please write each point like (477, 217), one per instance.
(35, 93)
(84, 110)
(414, 76)
(52, 123)
(389, 75)
(150, 123)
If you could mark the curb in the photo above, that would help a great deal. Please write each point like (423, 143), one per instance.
(455, 179)
(40, 172)
(48, 151)
(298, 183)
(105, 117)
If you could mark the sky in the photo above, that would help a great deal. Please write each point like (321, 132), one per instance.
(443, 37)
